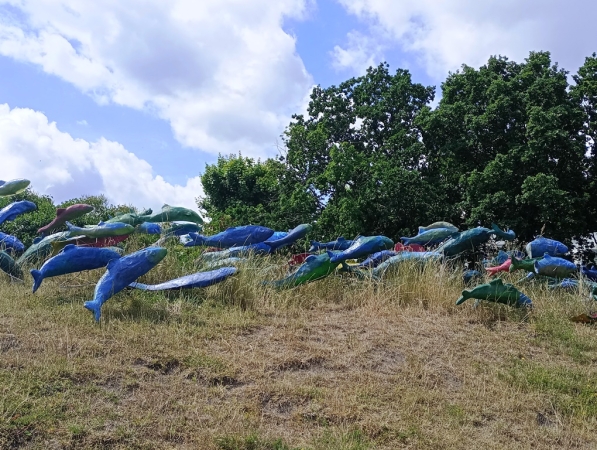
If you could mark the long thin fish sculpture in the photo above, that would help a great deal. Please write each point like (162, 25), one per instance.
(196, 280)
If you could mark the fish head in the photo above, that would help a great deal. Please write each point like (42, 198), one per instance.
(561, 249)
(155, 254)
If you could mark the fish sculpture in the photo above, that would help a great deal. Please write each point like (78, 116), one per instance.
(232, 237)
(469, 239)
(256, 249)
(362, 247)
(395, 261)
(570, 284)
(148, 228)
(13, 186)
(503, 256)
(196, 280)
(589, 273)
(409, 248)
(505, 267)
(173, 214)
(73, 259)
(553, 266)
(376, 259)
(278, 235)
(293, 235)
(101, 230)
(83, 241)
(9, 266)
(65, 214)
(11, 243)
(429, 237)
(540, 246)
(131, 218)
(314, 268)
(338, 244)
(181, 228)
(446, 225)
(12, 211)
(41, 248)
(471, 275)
(497, 291)
(122, 272)
(528, 265)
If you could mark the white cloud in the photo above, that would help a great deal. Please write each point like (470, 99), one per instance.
(360, 53)
(64, 167)
(82, 122)
(222, 72)
(446, 34)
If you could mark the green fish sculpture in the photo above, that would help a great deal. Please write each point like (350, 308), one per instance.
(314, 268)
(13, 186)
(497, 291)
(8, 265)
(528, 265)
(173, 214)
(41, 248)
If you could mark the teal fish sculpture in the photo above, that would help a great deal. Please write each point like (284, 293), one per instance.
(362, 247)
(173, 214)
(314, 268)
(122, 272)
(101, 230)
(446, 225)
(9, 266)
(395, 261)
(428, 237)
(41, 248)
(13, 186)
(131, 218)
(497, 291)
(469, 239)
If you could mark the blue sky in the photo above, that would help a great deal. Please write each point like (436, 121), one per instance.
(131, 99)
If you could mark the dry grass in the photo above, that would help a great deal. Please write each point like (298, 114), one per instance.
(336, 364)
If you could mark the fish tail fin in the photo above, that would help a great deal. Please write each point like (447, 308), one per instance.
(507, 235)
(95, 307)
(491, 270)
(314, 246)
(37, 279)
(465, 296)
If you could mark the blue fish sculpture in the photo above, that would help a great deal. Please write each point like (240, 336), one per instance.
(429, 237)
(395, 261)
(196, 280)
(339, 244)
(553, 266)
(12, 211)
(149, 228)
(232, 237)
(73, 259)
(11, 243)
(278, 235)
(363, 246)
(566, 283)
(469, 239)
(376, 259)
(469, 276)
(180, 228)
(233, 252)
(446, 225)
(293, 235)
(9, 266)
(541, 246)
(102, 229)
(122, 272)
(503, 256)
(589, 273)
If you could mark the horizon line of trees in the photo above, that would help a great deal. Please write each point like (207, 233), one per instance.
(510, 143)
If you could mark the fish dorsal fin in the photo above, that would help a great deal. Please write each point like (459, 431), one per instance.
(310, 258)
(69, 248)
(496, 282)
(60, 210)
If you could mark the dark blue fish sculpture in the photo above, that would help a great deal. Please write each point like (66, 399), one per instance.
(196, 280)
(469, 239)
(122, 272)
(362, 247)
(293, 235)
(553, 266)
(589, 273)
(541, 246)
(11, 243)
(149, 228)
(429, 237)
(395, 261)
(376, 259)
(232, 237)
(8, 265)
(278, 235)
(233, 252)
(73, 259)
(339, 244)
(12, 211)
(181, 227)
(470, 276)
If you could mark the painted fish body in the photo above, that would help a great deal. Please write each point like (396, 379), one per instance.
(232, 237)
(8, 265)
(553, 266)
(173, 214)
(471, 275)
(540, 246)
(122, 272)
(376, 259)
(73, 259)
(428, 237)
(496, 291)
(11, 243)
(293, 235)
(338, 244)
(361, 247)
(181, 228)
(12, 211)
(131, 218)
(149, 228)
(469, 239)
(278, 235)
(314, 268)
(528, 265)
(446, 225)
(395, 261)
(233, 252)
(196, 280)
(13, 186)
(505, 267)
(41, 248)
(64, 214)
(101, 230)
(589, 273)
